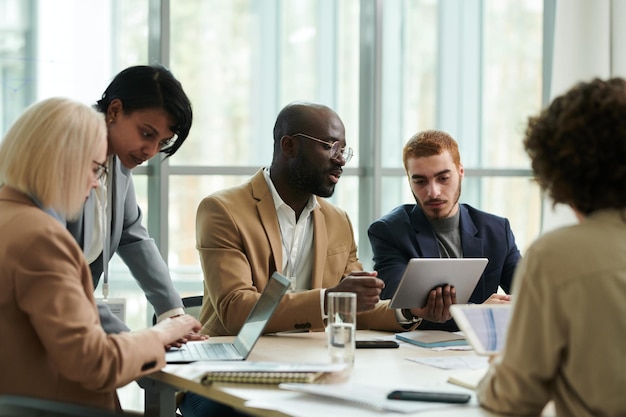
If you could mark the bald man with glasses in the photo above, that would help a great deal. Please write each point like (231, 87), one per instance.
(279, 220)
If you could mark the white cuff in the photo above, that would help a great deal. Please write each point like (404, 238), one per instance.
(400, 317)
(170, 313)
(322, 294)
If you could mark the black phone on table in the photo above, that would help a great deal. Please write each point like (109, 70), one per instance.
(440, 397)
(376, 344)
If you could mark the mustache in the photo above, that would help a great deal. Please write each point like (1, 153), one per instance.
(337, 169)
(435, 200)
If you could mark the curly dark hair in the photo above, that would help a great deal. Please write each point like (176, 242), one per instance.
(578, 146)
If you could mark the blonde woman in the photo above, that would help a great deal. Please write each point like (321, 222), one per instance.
(53, 344)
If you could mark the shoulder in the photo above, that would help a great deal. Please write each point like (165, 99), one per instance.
(399, 215)
(41, 233)
(236, 203)
(232, 195)
(480, 217)
(580, 238)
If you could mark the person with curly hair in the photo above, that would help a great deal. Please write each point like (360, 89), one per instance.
(567, 335)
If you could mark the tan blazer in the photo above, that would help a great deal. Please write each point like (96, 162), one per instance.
(238, 238)
(567, 335)
(53, 346)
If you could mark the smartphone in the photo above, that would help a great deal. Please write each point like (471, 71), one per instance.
(376, 344)
(439, 397)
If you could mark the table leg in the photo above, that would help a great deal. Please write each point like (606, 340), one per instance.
(160, 398)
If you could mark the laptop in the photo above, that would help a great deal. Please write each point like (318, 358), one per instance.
(421, 275)
(247, 337)
(484, 325)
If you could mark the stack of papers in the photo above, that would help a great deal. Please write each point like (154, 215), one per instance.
(371, 397)
(432, 338)
(468, 379)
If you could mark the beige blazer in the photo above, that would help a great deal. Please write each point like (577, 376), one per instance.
(567, 336)
(238, 239)
(53, 346)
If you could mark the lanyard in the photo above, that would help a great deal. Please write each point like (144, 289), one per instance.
(106, 227)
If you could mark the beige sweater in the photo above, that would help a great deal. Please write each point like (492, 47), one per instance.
(567, 336)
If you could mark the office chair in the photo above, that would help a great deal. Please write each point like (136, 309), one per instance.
(21, 406)
(192, 304)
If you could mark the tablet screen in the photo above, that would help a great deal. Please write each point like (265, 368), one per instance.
(484, 325)
(421, 275)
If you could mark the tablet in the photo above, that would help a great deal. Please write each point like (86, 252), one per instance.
(423, 274)
(484, 325)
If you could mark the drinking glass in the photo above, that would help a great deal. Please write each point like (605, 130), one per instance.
(341, 326)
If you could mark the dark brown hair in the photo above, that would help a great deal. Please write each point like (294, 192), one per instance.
(578, 146)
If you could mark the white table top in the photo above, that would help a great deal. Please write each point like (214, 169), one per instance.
(377, 369)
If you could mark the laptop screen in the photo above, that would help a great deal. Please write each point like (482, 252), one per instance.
(261, 313)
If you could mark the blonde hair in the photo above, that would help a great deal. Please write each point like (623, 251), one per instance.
(47, 153)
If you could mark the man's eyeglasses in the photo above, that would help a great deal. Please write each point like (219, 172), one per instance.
(101, 170)
(334, 147)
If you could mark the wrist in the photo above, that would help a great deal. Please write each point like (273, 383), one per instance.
(410, 317)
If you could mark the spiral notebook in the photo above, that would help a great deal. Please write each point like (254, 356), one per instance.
(268, 372)
(271, 378)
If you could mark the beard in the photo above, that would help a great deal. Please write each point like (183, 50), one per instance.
(306, 177)
(439, 214)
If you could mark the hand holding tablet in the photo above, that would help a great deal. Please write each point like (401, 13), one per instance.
(424, 274)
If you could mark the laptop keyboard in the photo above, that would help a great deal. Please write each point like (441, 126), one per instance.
(208, 351)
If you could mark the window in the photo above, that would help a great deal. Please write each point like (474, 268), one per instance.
(390, 69)
(470, 67)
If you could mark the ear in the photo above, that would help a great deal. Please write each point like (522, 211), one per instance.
(288, 146)
(115, 109)
(461, 172)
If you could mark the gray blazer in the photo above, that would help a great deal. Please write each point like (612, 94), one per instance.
(131, 241)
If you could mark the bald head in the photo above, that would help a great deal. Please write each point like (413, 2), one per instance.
(299, 117)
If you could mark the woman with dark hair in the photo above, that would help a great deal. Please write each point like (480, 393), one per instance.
(146, 112)
(567, 335)
(53, 346)
(153, 87)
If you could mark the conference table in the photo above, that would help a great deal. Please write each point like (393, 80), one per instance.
(407, 367)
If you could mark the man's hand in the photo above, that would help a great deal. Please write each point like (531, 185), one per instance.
(437, 308)
(498, 299)
(365, 284)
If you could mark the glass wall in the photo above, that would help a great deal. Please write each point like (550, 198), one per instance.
(470, 67)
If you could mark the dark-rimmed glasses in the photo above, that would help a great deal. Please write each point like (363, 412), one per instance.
(335, 150)
(101, 170)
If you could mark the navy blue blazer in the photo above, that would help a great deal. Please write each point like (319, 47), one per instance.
(406, 233)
